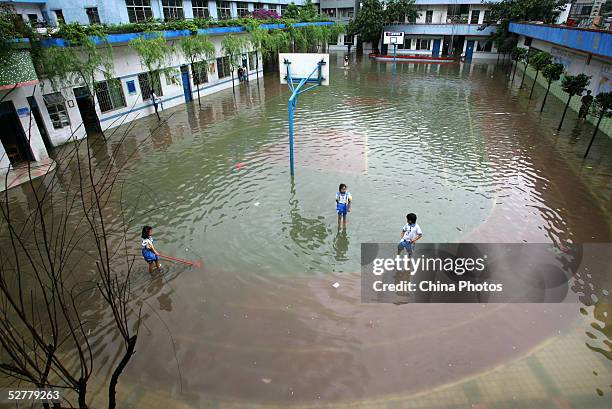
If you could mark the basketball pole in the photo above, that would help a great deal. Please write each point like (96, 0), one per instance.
(295, 92)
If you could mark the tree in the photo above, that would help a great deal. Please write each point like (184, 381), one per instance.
(538, 61)
(518, 54)
(525, 60)
(400, 11)
(197, 48)
(552, 72)
(370, 19)
(526, 10)
(602, 106)
(308, 11)
(233, 46)
(155, 56)
(573, 85)
(259, 37)
(81, 61)
(47, 275)
(292, 11)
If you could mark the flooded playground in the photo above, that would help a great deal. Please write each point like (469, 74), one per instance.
(260, 324)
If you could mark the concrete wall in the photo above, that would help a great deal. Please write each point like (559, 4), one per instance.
(127, 66)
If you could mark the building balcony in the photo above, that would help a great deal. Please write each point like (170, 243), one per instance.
(590, 41)
(442, 29)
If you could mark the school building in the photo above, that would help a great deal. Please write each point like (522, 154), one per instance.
(35, 116)
(447, 28)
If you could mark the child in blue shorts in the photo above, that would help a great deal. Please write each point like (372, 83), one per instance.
(343, 202)
(411, 233)
(149, 252)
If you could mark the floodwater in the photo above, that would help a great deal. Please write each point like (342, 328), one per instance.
(261, 324)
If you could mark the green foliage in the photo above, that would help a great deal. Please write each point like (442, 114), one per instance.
(602, 105)
(292, 11)
(519, 54)
(12, 27)
(155, 53)
(540, 59)
(234, 46)
(400, 11)
(308, 12)
(552, 72)
(369, 21)
(575, 84)
(526, 10)
(81, 63)
(197, 47)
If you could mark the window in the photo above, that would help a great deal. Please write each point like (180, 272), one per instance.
(258, 6)
(110, 95)
(484, 45)
(487, 16)
(92, 15)
(528, 41)
(586, 10)
(429, 16)
(475, 17)
(59, 15)
(173, 10)
(242, 9)
(139, 10)
(422, 44)
(348, 39)
(223, 10)
(145, 89)
(283, 8)
(329, 12)
(200, 72)
(56, 107)
(200, 8)
(223, 67)
(33, 18)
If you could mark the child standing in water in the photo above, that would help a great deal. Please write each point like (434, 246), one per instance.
(411, 233)
(149, 252)
(343, 202)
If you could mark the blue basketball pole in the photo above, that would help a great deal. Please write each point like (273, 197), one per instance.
(295, 92)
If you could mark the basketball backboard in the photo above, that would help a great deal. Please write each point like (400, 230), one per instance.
(393, 37)
(302, 65)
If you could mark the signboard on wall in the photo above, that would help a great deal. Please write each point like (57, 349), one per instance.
(393, 37)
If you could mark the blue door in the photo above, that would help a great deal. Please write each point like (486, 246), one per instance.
(186, 83)
(436, 49)
(469, 50)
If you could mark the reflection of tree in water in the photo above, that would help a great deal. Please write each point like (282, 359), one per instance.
(341, 244)
(307, 233)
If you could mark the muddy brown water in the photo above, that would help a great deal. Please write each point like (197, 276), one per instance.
(260, 322)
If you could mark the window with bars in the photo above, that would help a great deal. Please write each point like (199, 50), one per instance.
(422, 44)
(145, 88)
(200, 72)
(242, 9)
(110, 95)
(223, 67)
(173, 10)
(475, 17)
(56, 107)
(200, 8)
(487, 16)
(139, 10)
(93, 15)
(223, 10)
